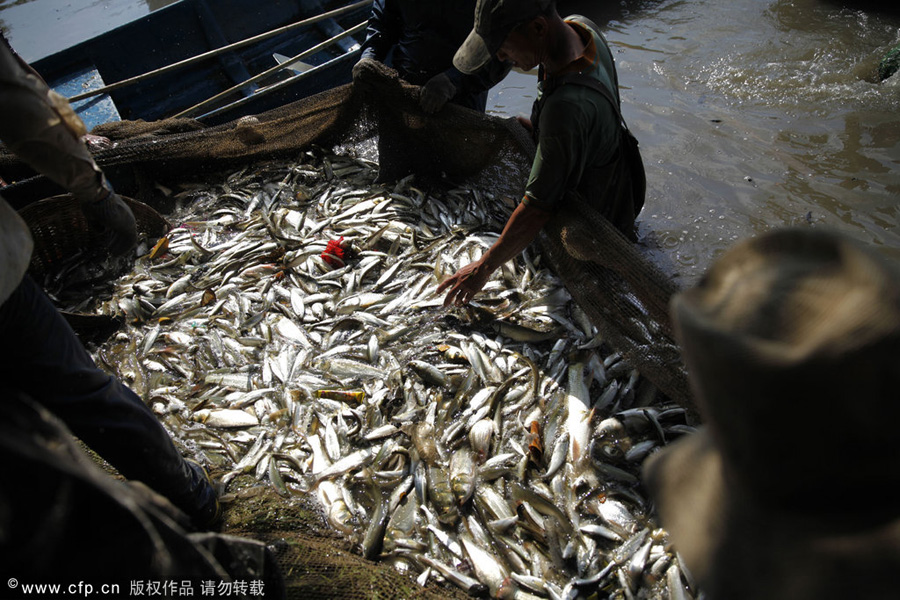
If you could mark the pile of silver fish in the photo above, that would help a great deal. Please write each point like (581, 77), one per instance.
(288, 328)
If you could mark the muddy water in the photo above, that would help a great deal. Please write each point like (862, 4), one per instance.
(752, 114)
(757, 114)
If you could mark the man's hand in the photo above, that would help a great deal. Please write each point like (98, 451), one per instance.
(520, 230)
(361, 69)
(465, 283)
(436, 92)
(115, 222)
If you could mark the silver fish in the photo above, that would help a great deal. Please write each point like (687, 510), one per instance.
(358, 388)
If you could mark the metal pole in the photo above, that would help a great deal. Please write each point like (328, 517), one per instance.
(213, 53)
(274, 69)
(276, 86)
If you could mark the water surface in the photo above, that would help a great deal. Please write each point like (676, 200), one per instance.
(757, 114)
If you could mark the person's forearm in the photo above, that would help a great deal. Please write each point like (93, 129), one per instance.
(521, 229)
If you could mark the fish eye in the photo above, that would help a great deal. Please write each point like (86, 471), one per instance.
(611, 450)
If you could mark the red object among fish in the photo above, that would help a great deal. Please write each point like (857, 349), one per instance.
(334, 253)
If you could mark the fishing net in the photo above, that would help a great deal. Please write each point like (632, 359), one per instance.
(625, 296)
(316, 561)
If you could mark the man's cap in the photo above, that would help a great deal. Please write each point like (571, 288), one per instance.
(792, 345)
(494, 19)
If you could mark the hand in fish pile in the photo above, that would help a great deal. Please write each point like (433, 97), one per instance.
(465, 283)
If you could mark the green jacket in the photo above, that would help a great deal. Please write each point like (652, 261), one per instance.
(579, 143)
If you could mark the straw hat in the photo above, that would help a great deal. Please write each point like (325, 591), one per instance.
(792, 488)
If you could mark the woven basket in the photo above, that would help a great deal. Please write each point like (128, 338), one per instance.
(59, 229)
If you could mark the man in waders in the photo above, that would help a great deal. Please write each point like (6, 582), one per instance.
(583, 147)
(421, 39)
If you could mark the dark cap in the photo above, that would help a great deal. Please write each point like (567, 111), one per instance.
(494, 19)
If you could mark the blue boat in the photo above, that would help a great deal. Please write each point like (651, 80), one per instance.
(213, 60)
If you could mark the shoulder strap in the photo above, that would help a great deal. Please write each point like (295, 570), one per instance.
(550, 85)
(596, 29)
